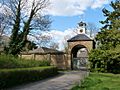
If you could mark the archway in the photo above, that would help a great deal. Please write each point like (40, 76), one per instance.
(78, 48)
(79, 57)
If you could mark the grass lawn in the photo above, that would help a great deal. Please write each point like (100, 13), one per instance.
(100, 81)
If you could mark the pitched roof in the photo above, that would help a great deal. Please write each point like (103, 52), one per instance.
(43, 50)
(80, 37)
(49, 50)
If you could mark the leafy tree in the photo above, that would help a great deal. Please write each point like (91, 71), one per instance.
(106, 58)
(24, 17)
(110, 32)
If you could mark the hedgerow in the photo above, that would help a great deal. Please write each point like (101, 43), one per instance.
(13, 77)
(9, 61)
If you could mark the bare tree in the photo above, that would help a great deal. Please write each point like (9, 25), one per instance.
(46, 41)
(54, 45)
(92, 28)
(3, 20)
(25, 16)
(43, 40)
(2, 27)
(64, 42)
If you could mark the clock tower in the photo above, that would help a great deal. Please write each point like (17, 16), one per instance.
(81, 28)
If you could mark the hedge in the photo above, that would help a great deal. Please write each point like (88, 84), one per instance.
(13, 77)
(9, 61)
(105, 60)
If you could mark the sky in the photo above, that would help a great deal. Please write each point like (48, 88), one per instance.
(65, 14)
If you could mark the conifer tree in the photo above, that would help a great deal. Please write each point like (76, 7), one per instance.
(106, 58)
(109, 37)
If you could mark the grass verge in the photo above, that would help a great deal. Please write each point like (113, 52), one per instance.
(100, 81)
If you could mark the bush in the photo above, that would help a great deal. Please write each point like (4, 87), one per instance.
(8, 61)
(12, 77)
(105, 60)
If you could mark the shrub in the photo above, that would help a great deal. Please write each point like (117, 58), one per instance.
(12, 77)
(105, 60)
(8, 61)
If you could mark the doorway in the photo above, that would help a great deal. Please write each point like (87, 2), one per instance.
(79, 57)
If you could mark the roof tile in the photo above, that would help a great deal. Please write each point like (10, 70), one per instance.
(80, 37)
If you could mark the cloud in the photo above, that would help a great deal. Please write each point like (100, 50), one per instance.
(66, 7)
(73, 7)
(61, 37)
(58, 36)
(99, 3)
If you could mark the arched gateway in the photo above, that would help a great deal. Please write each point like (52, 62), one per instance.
(78, 48)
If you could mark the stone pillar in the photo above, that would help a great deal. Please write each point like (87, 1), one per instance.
(69, 57)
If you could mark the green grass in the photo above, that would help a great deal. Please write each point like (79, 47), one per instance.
(33, 68)
(100, 81)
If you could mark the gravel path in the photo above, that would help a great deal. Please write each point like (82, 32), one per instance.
(65, 81)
